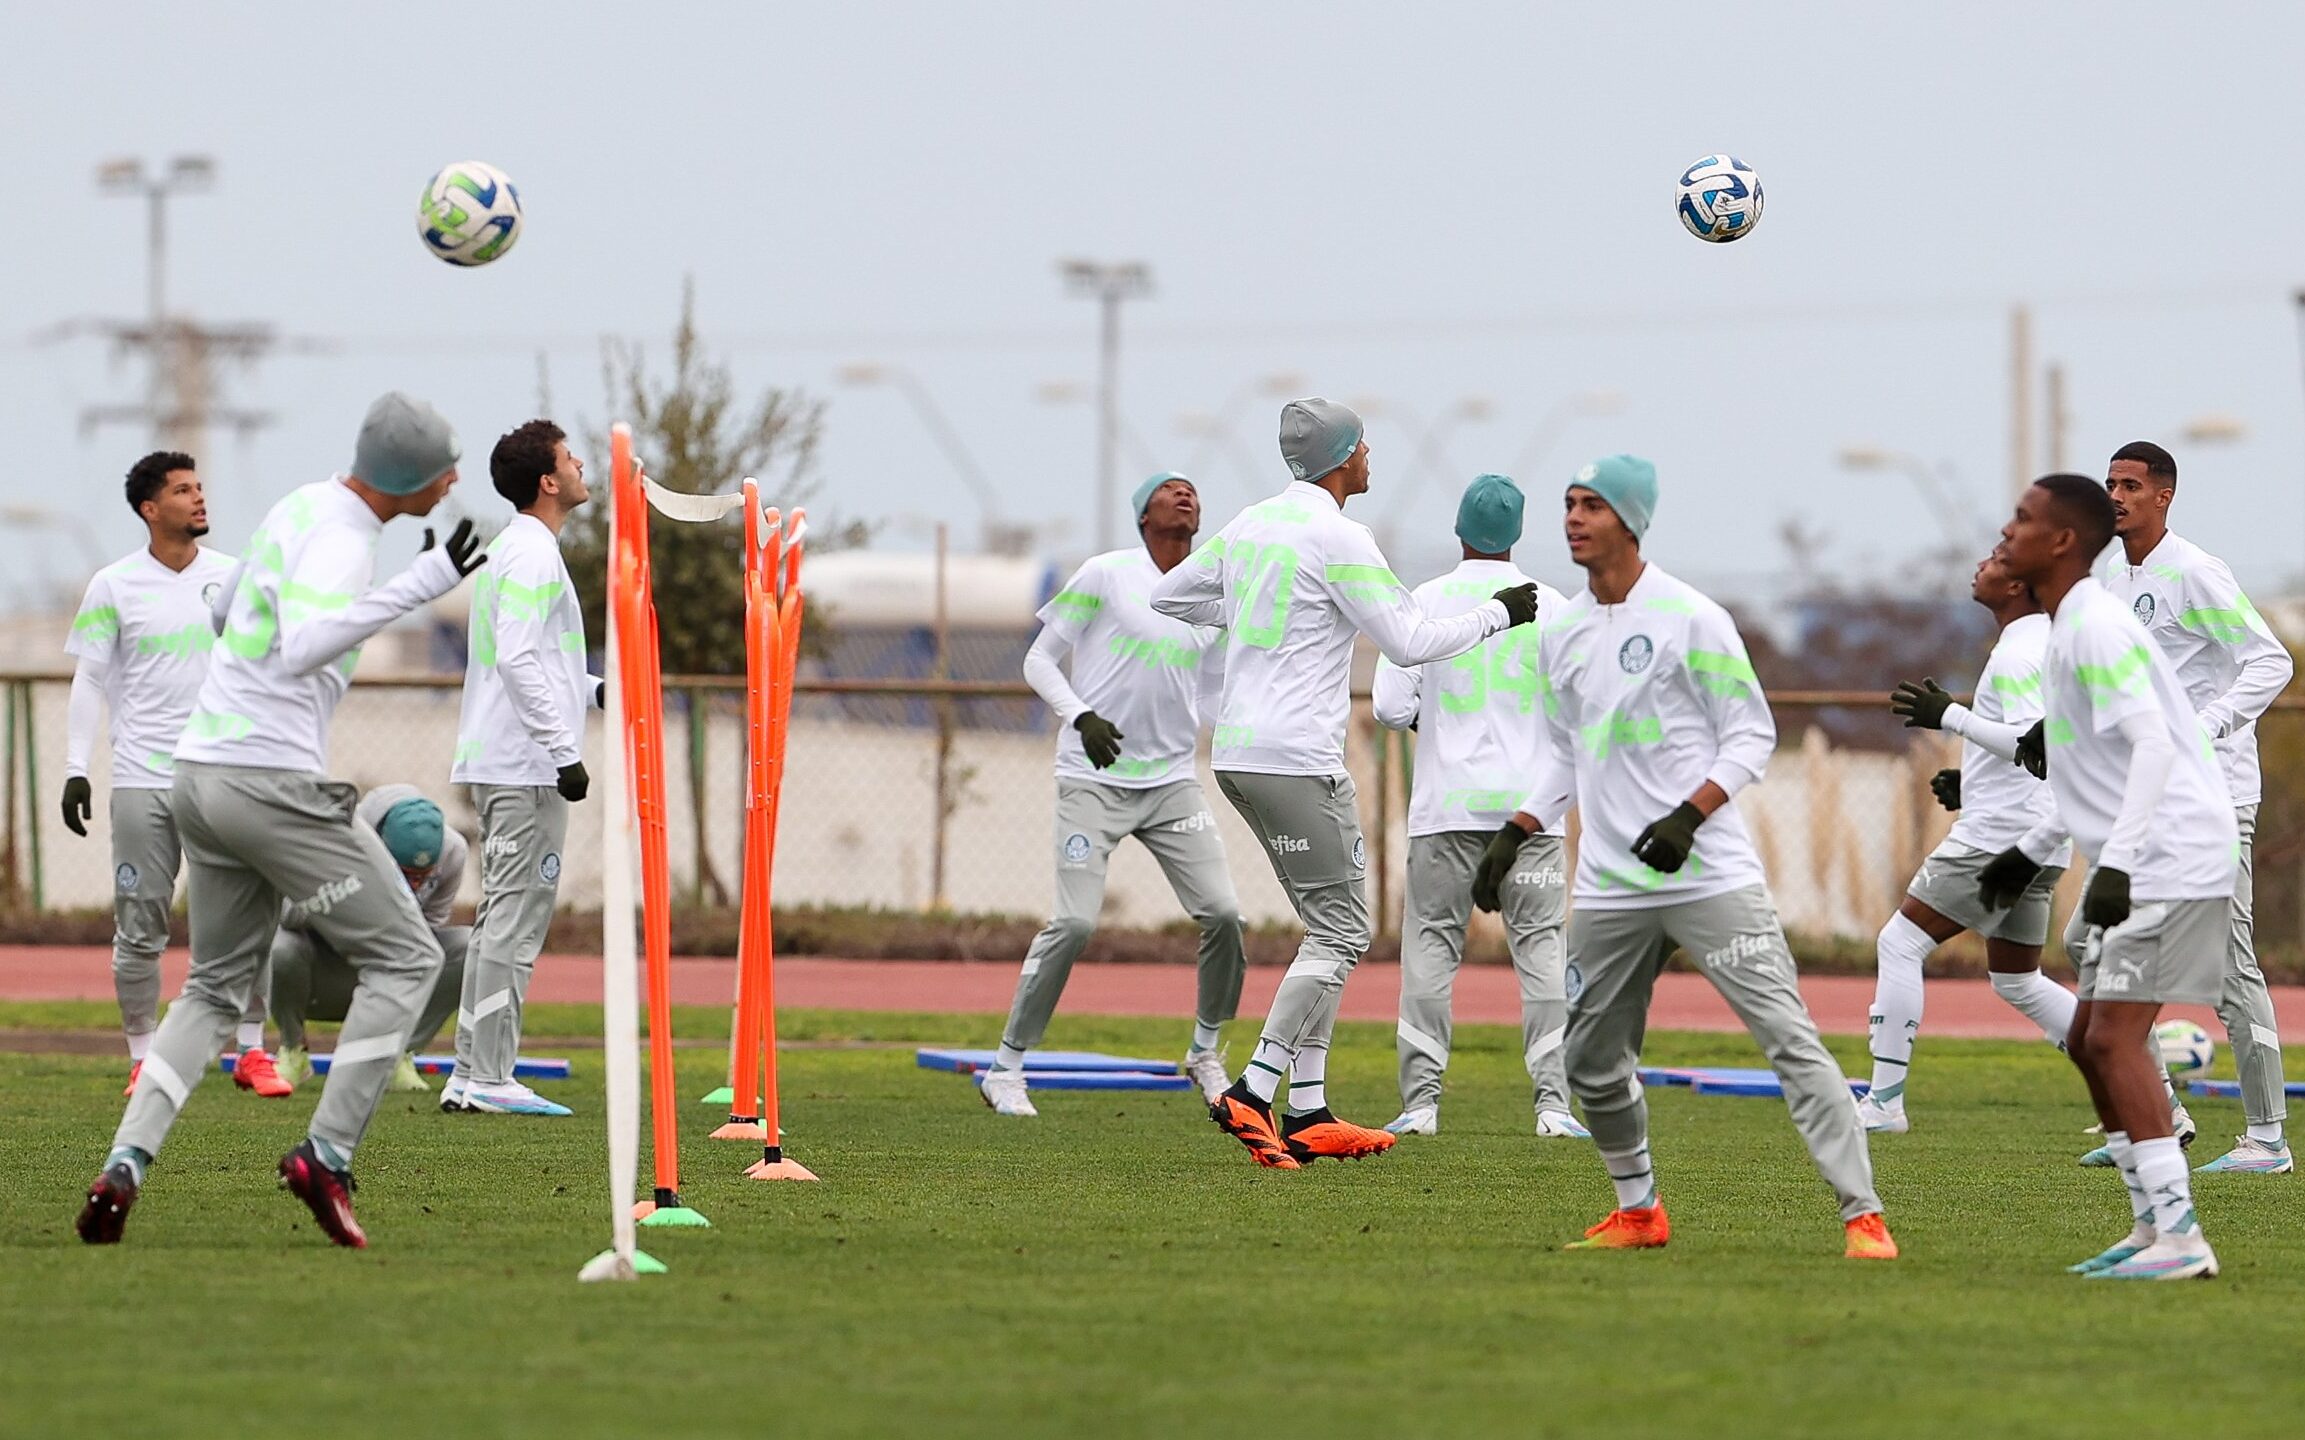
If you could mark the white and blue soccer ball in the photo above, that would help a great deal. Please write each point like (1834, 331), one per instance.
(470, 213)
(1719, 198)
(2185, 1047)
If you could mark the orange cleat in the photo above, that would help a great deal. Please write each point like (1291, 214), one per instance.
(255, 1071)
(1319, 1134)
(1240, 1114)
(133, 1071)
(1643, 1229)
(1869, 1239)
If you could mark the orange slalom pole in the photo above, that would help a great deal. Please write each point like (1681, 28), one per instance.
(773, 1163)
(644, 742)
(761, 559)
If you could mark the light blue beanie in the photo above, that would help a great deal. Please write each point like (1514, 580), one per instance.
(413, 832)
(1317, 436)
(1144, 493)
(1489, 517)
(1628, 483)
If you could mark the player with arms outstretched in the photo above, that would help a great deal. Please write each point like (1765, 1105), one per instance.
(1292, 581)
(1657, 721)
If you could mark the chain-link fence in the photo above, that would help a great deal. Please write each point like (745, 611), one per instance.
(908, 796)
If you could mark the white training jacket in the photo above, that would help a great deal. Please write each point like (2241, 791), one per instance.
(1479, 737)
(2138, 786)
(1290, 580)
(1153, 677)
(1645, 701)
(290, 624)
(2001, 802)
(142, 638)
(2226, 658)
(525, 684)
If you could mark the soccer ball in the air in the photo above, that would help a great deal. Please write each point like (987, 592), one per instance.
(1719, 198)
(2185, 1046)
(470, 214)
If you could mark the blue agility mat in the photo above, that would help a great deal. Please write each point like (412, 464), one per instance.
(1725, 1080)
(1104, 1080)
(526, 1067)
(968, 1062)
(2231, 1089)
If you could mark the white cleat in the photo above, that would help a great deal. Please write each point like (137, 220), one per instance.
(2181, 1122)
(1560, 1125)
(1207, 1069)
(452, 1101)
(510, 1098)
(1879, 1119)
(1004, 1091)
(1417, 1120)
(2169, 1257)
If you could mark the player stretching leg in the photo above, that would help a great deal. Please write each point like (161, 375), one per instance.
(2232, 668)
(1998, 803)
(1652, 703)
(142, 640)
(1141, 678)
(1291, 579)
(2144, 799)
(262, 823)
(520, 746)
(1477, 744)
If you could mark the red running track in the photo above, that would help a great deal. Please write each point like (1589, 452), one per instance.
(1485, 993)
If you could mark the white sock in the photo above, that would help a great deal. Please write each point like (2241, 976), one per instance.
(1309, 1079)
(1204, 1037)
(1634, 1177)
(252, 1036)
(139, 1044)
(2168, 1186)
(1008, 1058)
(1896, 1015)
(2040, 1000)
(1266, 1068)
(2268, 1133)
(2125, 1156)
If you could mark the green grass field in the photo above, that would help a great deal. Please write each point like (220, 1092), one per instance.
(1119, 1268)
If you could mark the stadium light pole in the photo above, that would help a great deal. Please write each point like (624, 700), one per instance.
(994, 535)
(185, 175)
(1108, 283)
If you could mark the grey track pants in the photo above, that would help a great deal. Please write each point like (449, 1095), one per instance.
(145, 859)
(1535, 905)
(256, 837)
(1310, 826)
(523, 829)
(2245, 1005)
(1734, 938)
(1174, 823)
(310, 981)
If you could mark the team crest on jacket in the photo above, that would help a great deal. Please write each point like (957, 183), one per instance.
(1635, 654)
(2143, 609)
(208, 593)
(126, 877)
(1360, 853)
(549, 867)
(1075, 849)
(1572, 982)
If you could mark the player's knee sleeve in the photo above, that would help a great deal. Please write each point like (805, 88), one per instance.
(1903, 948)
(2013, 986)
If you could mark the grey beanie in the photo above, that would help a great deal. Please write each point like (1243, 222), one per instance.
(1317, 436)
(404, 446)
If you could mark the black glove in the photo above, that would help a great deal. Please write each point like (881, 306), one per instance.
(1946, 786)
(2004, 878)
(600, 694)
(1496, 863)
(464, 550)
(76, 807)
(2106, 902)
(574, 783)
(1665, 845)
(2033, 750)
(1098, 738)
(1922, 705)
(1520, 602)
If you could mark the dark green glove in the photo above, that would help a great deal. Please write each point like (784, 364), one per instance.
(2106, 902)
(1496, 863)
(2033, 750)
(1946, 786)
(1520, 602)
(1922, 705)
(464, 550)
(1665, 845)
(1098, 738)
(2004, 878)
(574, 782)
(76, 804)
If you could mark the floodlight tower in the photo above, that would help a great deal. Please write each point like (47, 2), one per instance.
(1108, 283)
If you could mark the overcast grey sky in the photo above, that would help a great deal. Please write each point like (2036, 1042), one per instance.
(1420, 203)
